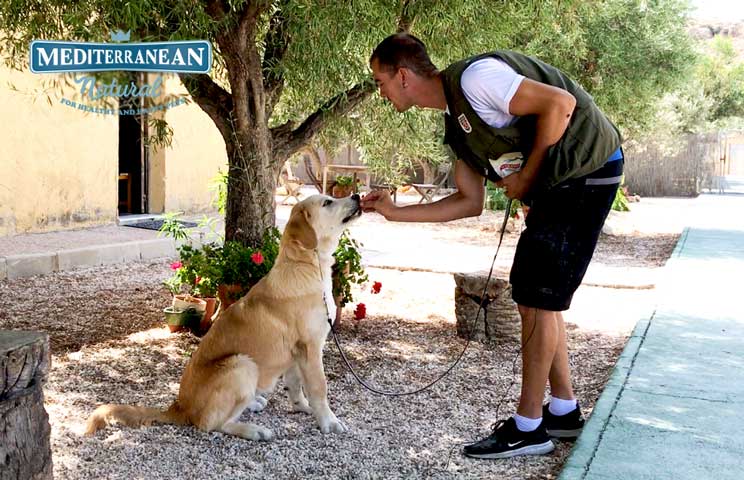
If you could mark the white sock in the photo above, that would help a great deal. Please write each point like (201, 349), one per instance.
(559, 407)
(525, 424)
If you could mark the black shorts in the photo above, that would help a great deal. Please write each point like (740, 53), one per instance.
(562, 229)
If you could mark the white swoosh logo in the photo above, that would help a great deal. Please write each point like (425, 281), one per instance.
(510, 445)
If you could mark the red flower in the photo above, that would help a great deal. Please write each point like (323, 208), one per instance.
(376, 287)
(197, 280)
(257, 258)
(360, 311)
(176, 265)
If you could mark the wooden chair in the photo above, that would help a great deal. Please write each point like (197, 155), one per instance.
(125, 205)
(291, 184)
(429, 190)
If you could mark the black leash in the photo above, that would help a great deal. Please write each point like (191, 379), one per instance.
(483, 304)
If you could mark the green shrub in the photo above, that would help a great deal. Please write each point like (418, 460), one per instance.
(620, 204)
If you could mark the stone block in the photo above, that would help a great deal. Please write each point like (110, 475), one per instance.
(20, 266)
(502, 320)
(79, 257)
(159, 248)
(119, 253)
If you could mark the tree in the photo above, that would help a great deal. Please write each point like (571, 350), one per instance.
(287, 70)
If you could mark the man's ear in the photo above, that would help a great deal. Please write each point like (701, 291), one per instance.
(299, 229)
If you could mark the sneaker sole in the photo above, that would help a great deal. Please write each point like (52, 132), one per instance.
(565, 434)
(540, 449)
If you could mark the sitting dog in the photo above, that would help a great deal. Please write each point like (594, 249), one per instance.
(278, 328)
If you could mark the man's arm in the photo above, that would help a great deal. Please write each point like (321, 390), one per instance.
(466, 202)
(553, 108)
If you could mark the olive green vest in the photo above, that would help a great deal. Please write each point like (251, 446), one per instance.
(586, 145)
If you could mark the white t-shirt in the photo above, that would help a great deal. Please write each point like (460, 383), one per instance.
(489, 85)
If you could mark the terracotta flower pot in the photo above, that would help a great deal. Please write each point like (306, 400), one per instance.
(339, 312)
(206, 321)
(181, 319)
(341, 191)
(228, 294)
(184, 302)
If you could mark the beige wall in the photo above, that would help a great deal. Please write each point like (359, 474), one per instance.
(58, 165)
(193, 159)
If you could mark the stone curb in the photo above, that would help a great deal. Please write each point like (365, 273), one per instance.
(158, 248)
(27, 265)
(19, 266)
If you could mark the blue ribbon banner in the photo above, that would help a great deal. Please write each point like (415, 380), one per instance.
(62, 57)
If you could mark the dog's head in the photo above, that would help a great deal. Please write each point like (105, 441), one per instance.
(318, 221)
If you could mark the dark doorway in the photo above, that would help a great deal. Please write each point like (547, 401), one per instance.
(132, 154)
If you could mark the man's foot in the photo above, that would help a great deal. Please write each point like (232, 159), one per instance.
(565, 427)
(508, 441)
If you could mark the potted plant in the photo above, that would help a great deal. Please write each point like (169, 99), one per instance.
(242, 267)
(343, 186)
(347, 270)
(182, 319)
(184, 308)
(201, 271)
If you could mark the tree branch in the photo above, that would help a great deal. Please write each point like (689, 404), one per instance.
(406, 17)
(213, 99)
(276, 42)
(288, 141)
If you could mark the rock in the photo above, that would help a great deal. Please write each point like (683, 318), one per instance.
(502, 320)
(618, 223)
(24, 424)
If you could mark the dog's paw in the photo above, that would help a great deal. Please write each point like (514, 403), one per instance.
(257, 404)
(301, 407)
(262, 434)
(331, 424)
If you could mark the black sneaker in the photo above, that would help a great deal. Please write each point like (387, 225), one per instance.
(508, 441)
(566, 427)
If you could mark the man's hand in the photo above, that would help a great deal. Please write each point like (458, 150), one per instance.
(378, 201)
(516, 185)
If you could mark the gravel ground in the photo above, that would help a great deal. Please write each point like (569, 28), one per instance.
(109, 345)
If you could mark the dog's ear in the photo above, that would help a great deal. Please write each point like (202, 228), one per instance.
(299, 228)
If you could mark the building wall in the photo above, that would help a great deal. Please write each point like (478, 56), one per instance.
(194, 158)
(58, 165)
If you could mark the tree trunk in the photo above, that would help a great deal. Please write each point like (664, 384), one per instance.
(428, 170)
(502, 321)
(24, 425)
(251, 207)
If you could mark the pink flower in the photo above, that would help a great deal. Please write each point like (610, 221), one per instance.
(257, 258)
(360, 311)
(176, 265)
(376, 287)
(197, 280)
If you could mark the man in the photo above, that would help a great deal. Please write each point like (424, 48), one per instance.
(506, 103)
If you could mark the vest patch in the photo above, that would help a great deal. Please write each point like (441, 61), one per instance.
(465, 123)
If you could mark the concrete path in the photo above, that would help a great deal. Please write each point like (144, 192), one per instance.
(673, 406)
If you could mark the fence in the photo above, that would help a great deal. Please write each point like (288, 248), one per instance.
(651, 170)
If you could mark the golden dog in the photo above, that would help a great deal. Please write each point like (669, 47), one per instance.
(278, 328)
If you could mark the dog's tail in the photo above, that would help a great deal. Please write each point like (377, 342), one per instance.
(133, 416)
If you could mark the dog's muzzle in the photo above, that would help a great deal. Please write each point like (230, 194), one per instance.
(356, 210)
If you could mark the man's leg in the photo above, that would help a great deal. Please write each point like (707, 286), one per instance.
(523, 433)
(540, 339)
(560, 372)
